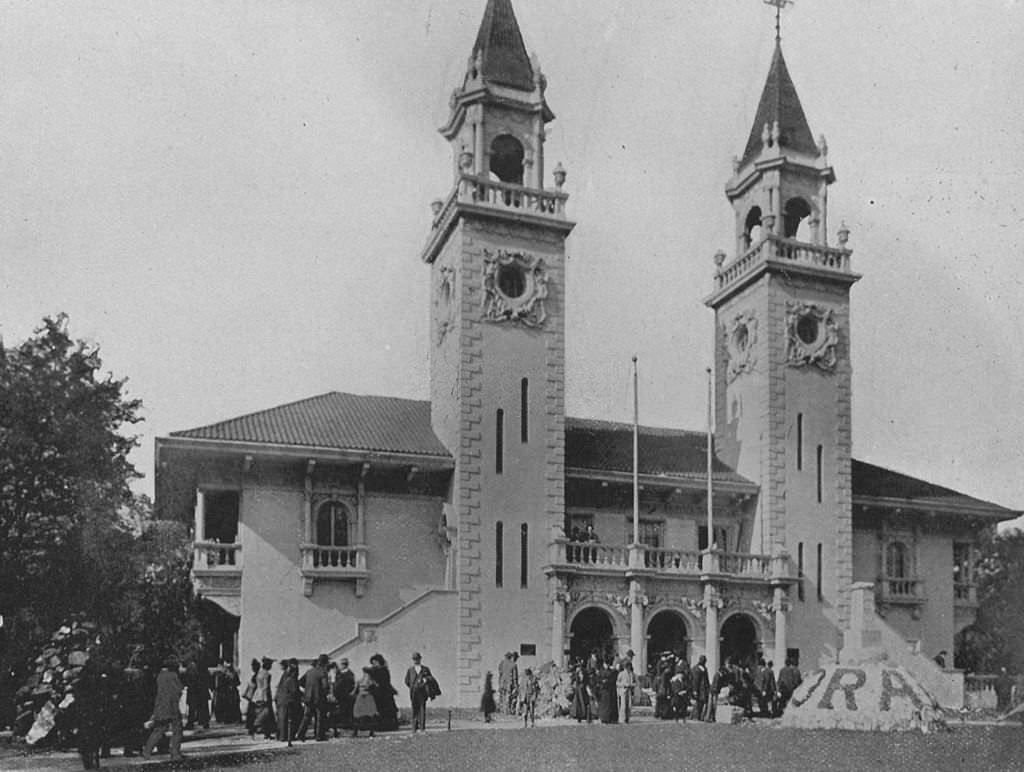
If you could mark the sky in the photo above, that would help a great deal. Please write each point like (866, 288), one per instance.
(230, 199)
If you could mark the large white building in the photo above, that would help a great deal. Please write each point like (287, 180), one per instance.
(350, 524)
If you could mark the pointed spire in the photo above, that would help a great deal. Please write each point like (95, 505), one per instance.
(780, 106)
(500, 50)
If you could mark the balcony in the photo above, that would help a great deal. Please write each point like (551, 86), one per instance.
(777, 248)
(901, 591)
(217, 569)
(485, 196)
(333, 564)
(591, 558)
(965, 595)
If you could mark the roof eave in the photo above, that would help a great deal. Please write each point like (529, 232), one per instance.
(425, 461)
(663, 481)
(975, 508)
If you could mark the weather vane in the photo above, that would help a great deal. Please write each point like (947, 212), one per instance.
(779, 5)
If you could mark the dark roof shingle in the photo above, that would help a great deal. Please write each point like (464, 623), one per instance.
(779, 102)
(500, 44)
(335, 420)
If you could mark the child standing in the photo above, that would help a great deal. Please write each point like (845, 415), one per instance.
(487, 706)
(529, 692)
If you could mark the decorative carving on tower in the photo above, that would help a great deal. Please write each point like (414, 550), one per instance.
(515, 288)
(445, 302)
(740, 337)
(812, 335)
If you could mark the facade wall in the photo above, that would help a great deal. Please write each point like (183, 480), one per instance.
(277, 620)
(757, 428)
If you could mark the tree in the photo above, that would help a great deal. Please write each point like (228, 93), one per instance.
(64, 474)
(996, 639)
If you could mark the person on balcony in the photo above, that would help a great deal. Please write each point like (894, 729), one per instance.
(590, 536)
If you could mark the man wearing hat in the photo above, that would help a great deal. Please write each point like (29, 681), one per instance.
(343, 687)
(166, 713)
(262, 701)
(422, 687)
(314, 696)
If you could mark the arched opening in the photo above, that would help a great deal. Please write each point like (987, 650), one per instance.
(739, 640)
(331, 531)
(795, 222)
(667, 632)
(897, 560)
(507, 159)
(592, 632)
(752, 227)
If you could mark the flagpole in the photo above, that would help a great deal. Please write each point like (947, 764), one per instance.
(711, 508)
(636, 456)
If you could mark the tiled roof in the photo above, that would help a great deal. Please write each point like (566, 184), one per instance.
(335, 420)
(779, 102)
(505, 60)
(605, 446)
(870, 481)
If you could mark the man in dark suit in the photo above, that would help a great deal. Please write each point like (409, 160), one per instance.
(344, 685)
(701, 689)
(418, 678)
(314, 697)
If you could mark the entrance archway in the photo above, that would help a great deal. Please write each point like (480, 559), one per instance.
(667, 632)
(592, 631)
(739, 640)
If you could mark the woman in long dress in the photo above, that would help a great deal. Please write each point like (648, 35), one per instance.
(365, 714)
(384, 693)
(487, 706)
(580, 698)
(608, 707)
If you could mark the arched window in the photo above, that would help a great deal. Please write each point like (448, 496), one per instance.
(332, 525)
(795, 216)
(897, 560)
(507, 159)
(752, 227)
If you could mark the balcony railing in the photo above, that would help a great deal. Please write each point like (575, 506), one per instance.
(965, 594)
(324, 563)
(773, 247)
(216, 557)
(582, 557)
(470, 189)
(901, 590)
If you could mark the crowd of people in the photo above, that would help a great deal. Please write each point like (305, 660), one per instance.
(330, 698)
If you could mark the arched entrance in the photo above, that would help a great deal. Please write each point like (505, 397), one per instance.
(591, 631)
(667, 632)
(739, 640)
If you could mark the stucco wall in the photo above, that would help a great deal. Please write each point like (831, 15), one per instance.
(277, 620)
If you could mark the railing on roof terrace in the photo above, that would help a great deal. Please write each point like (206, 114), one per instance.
(470, 189)
(773, 247)
(216, 556)
(583, 556)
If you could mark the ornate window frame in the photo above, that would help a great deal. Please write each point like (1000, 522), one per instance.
(812, 336)
(527, 307)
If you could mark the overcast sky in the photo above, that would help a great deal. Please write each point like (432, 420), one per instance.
(230, 198)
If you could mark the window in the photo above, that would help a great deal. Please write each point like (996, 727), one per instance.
(498, 556)
(721, 537)
(795, 215)
(962, 570)
(524, 410)
(800, 571)
(897, 561)
(524, 540)
(821, 594)
(332, 531)
(821, 452)
(651, 532)
(799, 441)
(332, 525)
(499, 442)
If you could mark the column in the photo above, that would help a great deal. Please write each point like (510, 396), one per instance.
(361, 514)
(780, 603)
(478, 160)
(200, 516)
(557, 621)
(307, 507)
(636, 624)
(711, 628)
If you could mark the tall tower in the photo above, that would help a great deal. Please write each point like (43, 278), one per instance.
(497, 257)
(782, 356)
